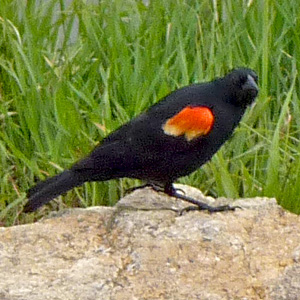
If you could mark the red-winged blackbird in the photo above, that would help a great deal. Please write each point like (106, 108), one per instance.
(171, 139)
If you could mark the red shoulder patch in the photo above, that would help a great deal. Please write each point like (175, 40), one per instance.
(191, 122)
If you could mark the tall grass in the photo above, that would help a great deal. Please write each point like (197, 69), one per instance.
(60, 94)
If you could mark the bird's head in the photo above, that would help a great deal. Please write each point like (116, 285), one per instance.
(242, 84)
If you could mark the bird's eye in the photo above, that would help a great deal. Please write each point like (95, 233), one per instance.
(243, 80)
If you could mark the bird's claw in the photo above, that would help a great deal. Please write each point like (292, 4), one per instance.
(210, 209)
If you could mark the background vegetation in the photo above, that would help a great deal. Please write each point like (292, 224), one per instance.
(71, 74)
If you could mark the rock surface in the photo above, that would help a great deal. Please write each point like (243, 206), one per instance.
(142, 249)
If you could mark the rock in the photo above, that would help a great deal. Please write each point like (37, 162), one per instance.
(143, 249)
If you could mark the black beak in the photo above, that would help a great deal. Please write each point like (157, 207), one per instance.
(251, 85)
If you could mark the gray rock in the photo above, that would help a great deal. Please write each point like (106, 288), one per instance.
(143, 249)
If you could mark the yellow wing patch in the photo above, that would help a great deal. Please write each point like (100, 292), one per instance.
(191, 122)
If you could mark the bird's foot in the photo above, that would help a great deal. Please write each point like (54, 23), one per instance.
(198, 205)
(211, 209)
(173, 192)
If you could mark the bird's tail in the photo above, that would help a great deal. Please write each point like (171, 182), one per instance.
(47, 190)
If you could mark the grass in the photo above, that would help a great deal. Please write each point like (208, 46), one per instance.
(60, 94)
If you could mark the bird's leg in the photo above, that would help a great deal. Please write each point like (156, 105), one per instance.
(155, 187)
(171, 191)
(134, 188)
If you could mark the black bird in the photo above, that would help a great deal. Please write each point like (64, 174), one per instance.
(171, 139)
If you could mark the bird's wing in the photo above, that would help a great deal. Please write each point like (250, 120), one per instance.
(191, 122)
